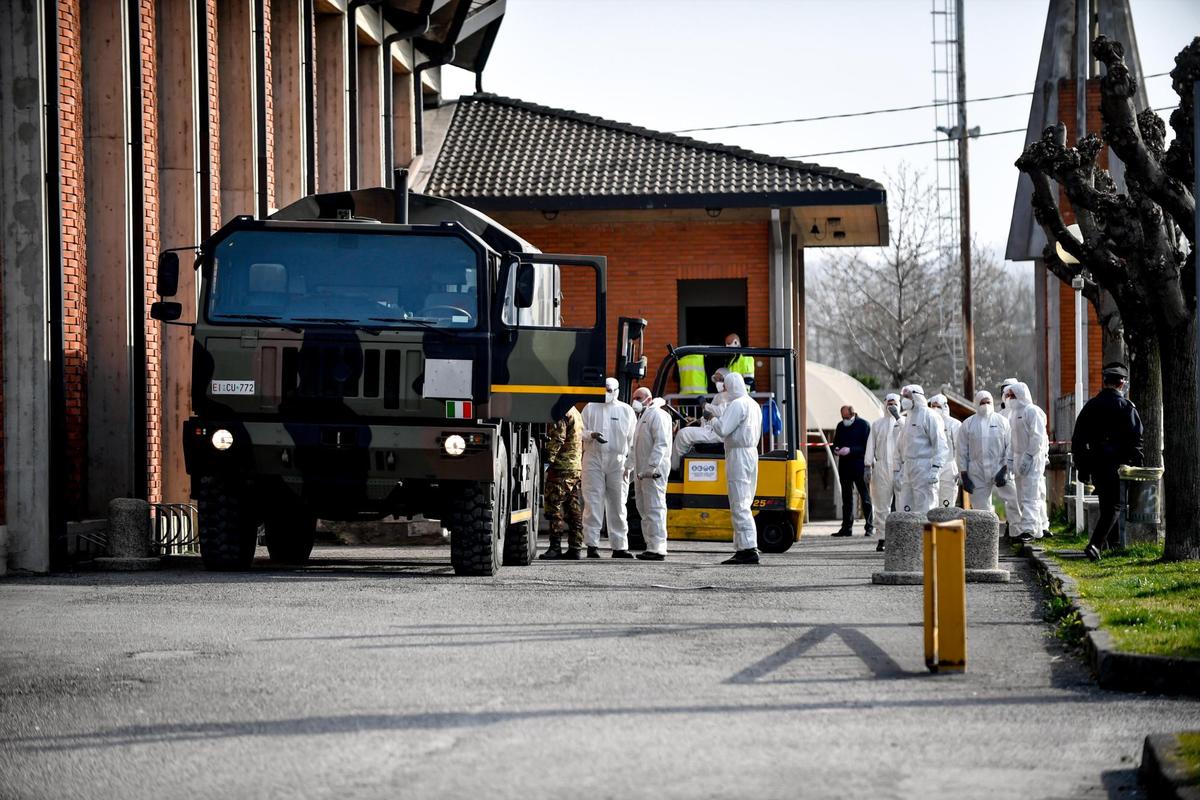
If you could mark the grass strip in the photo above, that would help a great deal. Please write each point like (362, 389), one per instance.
(1149, 605)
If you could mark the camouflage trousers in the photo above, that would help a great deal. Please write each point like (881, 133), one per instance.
(564, 506)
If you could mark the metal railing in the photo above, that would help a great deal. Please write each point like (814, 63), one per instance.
(175, 527)
(691, 405)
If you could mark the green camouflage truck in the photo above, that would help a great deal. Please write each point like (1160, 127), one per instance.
(380, 353)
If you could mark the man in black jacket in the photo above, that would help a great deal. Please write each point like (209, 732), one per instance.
(1108, 433)
(850, 443)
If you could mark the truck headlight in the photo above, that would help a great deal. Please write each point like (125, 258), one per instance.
(455, 445)
(222, 439)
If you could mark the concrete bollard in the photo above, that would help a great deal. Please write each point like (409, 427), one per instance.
(130, 545)
(902, 560)
(983, 548)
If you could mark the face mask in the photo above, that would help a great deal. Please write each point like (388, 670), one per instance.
(720, 386)
(906, 403)
(894, 411)
(848, 422)
(986, 409)
(610, 397)
(637, 406)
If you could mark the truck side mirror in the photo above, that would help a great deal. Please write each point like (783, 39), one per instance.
(166, 311)
(168, 276)
(523, 296)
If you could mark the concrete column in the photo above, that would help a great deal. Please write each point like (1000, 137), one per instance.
(235, 60)
(370, 116)
(24, 264)
(801, 339)
(333, 158)
(109, 407)
(403, 125)
(287, 88)
(179, 225)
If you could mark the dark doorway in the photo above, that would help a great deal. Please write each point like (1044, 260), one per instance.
(709, 310)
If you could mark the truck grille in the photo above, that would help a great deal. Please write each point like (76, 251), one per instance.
(337, 371)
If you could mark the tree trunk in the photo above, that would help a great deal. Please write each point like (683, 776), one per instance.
(1181, 446)
(1145, 390)
(1112, 331)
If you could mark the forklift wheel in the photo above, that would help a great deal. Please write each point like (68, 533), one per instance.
(775, 533)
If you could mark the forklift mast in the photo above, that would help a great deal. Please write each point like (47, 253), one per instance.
(631, 362)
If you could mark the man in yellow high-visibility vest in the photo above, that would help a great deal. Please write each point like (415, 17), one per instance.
(743, 365)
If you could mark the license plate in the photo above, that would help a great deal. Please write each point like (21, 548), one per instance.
(232, 387)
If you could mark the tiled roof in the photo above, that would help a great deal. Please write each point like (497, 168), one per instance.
(501, 153)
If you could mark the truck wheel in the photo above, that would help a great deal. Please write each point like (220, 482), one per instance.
(520, 543)
(290, 537)
(478, 520)
(775, 532)
(228, 530)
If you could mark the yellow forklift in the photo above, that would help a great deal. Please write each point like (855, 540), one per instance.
(697, 495)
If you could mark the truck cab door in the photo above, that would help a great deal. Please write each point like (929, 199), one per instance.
(549, 350)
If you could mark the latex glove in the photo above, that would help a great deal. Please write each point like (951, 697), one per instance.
(1026, 465)
(934, 475)
(708, 411)
(1002, 476)
(843, 451)
(967, 484)
(646, 476)
(596, 435)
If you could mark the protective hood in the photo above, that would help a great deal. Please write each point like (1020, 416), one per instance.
(735, 385)
(943, 402)
(891, 396)
(1021, 392)
(610, 390)
(657, 402)
(985, 408)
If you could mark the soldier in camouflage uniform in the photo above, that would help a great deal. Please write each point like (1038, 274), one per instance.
(563, 505)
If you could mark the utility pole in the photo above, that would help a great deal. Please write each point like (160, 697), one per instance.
(964, 205)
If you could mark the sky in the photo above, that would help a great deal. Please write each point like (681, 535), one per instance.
(675, 64)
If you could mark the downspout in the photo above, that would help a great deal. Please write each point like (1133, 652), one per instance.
(57, 457)
(442, 58)
(261, 178)
(389, 89)
(135, 299)
(203, 134)
(307, 24)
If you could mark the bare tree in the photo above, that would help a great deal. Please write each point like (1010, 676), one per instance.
(1136, 247)
(877, 311)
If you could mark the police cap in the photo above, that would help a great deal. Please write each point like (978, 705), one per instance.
(1115, 369)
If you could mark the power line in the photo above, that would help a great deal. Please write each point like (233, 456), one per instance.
(926, 141)
(902, 144)
(867, 113)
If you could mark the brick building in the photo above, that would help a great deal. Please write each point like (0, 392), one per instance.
(132, 127)
(1067, 83)
(701, 239)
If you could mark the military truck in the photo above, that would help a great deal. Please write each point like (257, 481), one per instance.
(378, 353)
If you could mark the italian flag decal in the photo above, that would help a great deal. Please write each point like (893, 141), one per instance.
(458, 409)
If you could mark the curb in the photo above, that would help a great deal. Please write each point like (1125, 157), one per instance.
(1163, 772)
(1114, 669)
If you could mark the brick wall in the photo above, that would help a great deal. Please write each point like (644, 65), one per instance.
(214, 120)
(74, 255)
(646, 261)
(1066, 295)
(150, 251)
(269, 106)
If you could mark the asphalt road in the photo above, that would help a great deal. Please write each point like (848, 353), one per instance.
(377, 673)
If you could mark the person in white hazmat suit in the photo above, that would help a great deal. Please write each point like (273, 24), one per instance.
(879, 462)
(922, 450)
(948, 480)
(651, 464)
(607, 439)
(983, 452)
(1030, 451)
(1007, 490)
(687, 438)
(740, 427)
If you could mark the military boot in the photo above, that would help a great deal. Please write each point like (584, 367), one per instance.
(553, 552)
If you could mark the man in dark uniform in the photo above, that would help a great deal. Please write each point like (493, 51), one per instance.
(850, 443)
(1108, 433)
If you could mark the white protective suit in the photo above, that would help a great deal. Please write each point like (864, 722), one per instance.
(880, 458)
(1030, 451)
(687, 438)
(948, 480)
(1008, 492)
(983, 448)
(922, 450)
(604, 480)
(652, 456)
(740, 427)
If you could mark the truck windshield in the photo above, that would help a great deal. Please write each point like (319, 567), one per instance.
(345, 278)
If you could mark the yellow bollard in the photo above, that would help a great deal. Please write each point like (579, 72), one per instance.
(945, 596)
